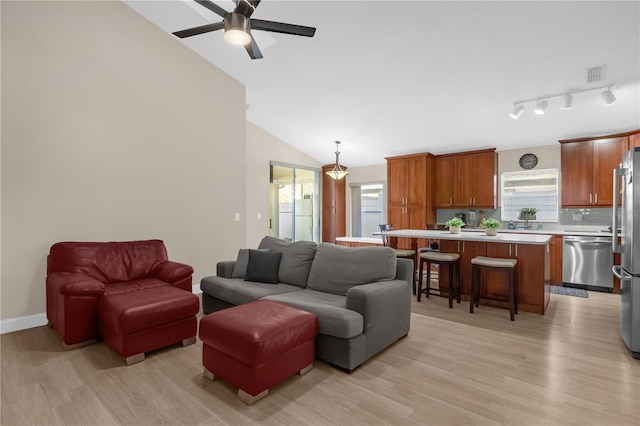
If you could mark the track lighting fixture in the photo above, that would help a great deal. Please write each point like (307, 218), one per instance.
(608, 97)
(567, 101)
(540, 107)
(517, 112)
(337, 172)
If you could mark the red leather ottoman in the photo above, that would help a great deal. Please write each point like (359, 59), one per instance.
(140, 321)
(257, 345)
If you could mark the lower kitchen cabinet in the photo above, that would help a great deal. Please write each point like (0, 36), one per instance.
(533, 272)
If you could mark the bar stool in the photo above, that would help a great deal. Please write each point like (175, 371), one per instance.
(481, 263)
(452, 261)
(401, 253)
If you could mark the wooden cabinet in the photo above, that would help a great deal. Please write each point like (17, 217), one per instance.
(467, 179)
(333, 206)
(555, 259)
(587, 165)
(410, 193)
(634, 140)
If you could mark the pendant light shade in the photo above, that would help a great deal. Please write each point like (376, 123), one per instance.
(337, 172)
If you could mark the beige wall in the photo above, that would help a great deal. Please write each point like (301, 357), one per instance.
(112, 130)
(262, 148)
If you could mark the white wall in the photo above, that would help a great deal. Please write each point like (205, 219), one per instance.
(112, 130)
(262, 148)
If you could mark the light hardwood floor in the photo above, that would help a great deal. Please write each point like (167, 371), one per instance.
(564, 368)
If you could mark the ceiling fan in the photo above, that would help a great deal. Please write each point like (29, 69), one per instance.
(238, 24)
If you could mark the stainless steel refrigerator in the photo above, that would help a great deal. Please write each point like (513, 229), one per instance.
(629, 248)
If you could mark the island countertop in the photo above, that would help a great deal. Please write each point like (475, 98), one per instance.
(502, 237)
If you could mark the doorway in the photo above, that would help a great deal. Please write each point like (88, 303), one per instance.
(294, 206)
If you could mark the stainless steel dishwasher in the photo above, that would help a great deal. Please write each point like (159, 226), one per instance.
(587, 262)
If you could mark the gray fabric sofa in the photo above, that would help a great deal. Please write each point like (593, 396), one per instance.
(362, 296)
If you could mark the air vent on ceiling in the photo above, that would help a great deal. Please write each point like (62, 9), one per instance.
(595, 74)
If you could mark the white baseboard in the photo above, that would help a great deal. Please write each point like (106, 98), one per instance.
(30, 321)
(22, 323)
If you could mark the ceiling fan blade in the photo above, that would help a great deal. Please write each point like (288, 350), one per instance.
(199, 30)
(212, 7)
(246, 7)
(279, 27)
(253, 50)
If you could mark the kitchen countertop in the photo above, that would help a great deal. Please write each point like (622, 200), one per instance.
(503, 237)
(590, 231)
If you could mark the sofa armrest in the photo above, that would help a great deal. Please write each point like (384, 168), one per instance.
(405, 270)
(384, 305)
(171, 271)
(225, 268)
(75, 284)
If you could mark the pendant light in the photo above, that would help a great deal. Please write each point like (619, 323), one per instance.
(337, 172)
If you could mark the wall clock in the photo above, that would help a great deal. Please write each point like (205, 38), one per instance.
(528, 161)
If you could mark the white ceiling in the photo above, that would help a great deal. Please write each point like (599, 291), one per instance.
(397, 77)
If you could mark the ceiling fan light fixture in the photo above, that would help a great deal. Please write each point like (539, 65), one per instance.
(608, 97)
(541, 107)
(337, 172)
(237, 29)
(567, 101)
(517, 112)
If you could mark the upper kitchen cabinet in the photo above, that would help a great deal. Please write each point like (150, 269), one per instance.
(467, 179)
(410, 191)
(587, 170)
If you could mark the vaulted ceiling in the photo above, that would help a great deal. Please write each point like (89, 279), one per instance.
(396, 77)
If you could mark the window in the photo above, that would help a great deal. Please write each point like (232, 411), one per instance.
(532, 188)
(294, 210)
(367, 208)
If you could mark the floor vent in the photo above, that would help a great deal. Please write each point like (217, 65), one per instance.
(595, 74)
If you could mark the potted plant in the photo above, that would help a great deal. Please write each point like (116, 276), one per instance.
(528, 213)
(491, 226)
(454, 225)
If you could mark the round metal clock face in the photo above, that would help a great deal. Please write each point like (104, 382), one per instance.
(528, 161)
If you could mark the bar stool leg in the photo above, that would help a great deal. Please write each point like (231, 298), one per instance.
(472, 299)
(428, 290)
(512, 296)
(515, 286)
(450, 267)
(457, 265)
(420, 278)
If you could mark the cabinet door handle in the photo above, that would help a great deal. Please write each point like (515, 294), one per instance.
(450, 201)
(458, 246)
(463, 246)
(474, 201)
(596, 198)
(516, 250)
(509, 249)
(590, 199)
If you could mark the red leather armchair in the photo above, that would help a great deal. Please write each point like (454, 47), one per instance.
(79, 273)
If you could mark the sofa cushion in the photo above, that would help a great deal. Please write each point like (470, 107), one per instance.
(296, 261)
(336, 269)
(333, 318)
(263, 267)
(236, 291)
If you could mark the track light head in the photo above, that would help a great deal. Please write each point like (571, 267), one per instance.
(608, 97)
(540, 107)
(567, 101)
(517, 112)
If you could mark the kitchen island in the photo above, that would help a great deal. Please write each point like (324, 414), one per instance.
(531, 251)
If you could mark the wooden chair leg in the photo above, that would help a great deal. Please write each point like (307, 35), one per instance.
(428, 290)
(472, 298)
(450, 267)
(459, 280)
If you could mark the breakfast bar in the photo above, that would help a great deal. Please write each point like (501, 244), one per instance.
(530, 250)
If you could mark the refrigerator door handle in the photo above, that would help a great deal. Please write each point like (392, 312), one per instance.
(617, 271)
(617, 173)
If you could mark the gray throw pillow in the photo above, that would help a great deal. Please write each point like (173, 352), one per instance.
(240, 268)
(263, 267)
(296, 261)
